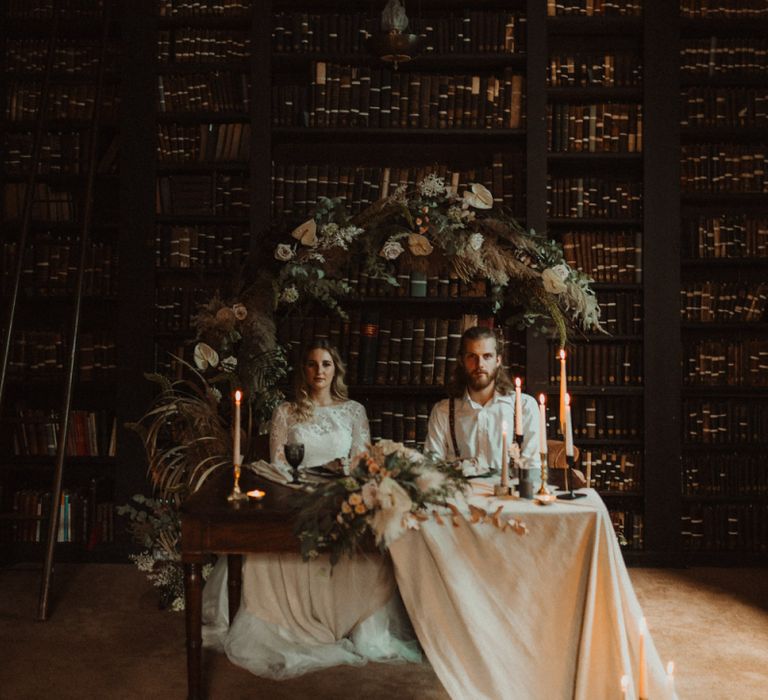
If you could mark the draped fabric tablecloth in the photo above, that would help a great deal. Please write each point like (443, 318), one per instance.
(547, 615)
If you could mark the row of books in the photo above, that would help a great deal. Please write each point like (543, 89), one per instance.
(201, 247)
(65, 101)
(175, 307)
(349, 96)
(199, 45)
(204, 142)
(730, 362)
(717, 527)
(82, 519)
(49, 203)
(41, 353)
(215, 91)
(723, 9)
(728, 107)
(628, 526)
(50, 268)
(601, 364)
(90, 434)
(725, 236)
(728, 421)
(720, 167)
(720, 302)
(70, 56)
(595, 8)
(447, 33)
(165, 352)
(724, 474)
(401, 421)
(613, 470)
(180, 8)
(621, 313)
(220, 194)
(603, 69)
(594, 197)
(606, 127)
(717, 56)
(60, 152)
(600, 417)
(297, 187)
(45, 9)
(380, 349)
(606, 256)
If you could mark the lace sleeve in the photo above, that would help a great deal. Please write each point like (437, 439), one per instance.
(361, 432)
(278, 435)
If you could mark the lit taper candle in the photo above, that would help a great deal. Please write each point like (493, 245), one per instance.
(236, 457)
(563, 391)
(642, 681)
(542, 424)
(568, 427)
(504, 456)
(518, 407)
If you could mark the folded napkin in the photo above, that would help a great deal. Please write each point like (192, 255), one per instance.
(271, 472)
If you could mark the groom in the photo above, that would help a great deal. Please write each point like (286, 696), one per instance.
(468, 425)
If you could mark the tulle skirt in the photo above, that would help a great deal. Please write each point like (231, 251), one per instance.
(298, 616)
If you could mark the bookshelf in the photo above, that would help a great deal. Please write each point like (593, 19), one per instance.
(723, 263)
(35, 381)
(264, 110)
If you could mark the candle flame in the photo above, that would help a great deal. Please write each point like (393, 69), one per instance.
(671, 668)
(238, 396)
(517, 382)
(562, 355)
(256, 494)
(624, 683)
(567, 399)
(542, 399)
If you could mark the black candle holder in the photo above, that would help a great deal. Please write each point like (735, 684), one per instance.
(569, 494)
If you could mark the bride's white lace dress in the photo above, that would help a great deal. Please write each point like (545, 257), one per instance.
(295, 616)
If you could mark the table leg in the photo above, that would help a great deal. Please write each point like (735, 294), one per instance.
(234, 583)
(193, 589)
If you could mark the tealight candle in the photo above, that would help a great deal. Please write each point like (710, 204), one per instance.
(256, 495)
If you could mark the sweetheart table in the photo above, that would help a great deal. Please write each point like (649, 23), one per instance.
(547, 614)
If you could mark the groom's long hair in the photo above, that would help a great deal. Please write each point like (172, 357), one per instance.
(457, 386)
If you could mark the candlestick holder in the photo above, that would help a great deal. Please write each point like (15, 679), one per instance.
(237, 495)
(569, 494)
(500, 491)
(543, 491)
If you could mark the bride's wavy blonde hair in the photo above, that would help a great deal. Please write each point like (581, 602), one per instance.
(303, 406)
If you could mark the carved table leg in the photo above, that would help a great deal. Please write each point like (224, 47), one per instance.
(234, 583)
(193, 589)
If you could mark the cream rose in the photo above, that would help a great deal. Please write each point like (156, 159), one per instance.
(476, 241)
(553, 279)
(391, 250)
(284, 252)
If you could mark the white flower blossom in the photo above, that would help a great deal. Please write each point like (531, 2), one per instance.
(399, 194)
(391, 250)
(284, 252)
(479, 198)
(213, 391)
(430, 479)
(432, 185)
(553, 279)
(240, 311)
(389, 522)
(289, 295)
(370, 493)
(476, 241)
(228, 364)
(205, 356)
(178, 604)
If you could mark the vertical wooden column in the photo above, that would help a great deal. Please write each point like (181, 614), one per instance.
(536, 167)
(661, 277)
(135, 247)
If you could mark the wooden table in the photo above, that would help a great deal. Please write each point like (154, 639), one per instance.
(209, 523)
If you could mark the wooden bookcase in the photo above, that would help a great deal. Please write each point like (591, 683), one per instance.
(35, 383)
(648, 255)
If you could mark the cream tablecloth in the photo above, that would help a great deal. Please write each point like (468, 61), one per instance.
(547, 615)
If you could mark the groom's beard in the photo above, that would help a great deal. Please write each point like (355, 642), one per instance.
(477, 381)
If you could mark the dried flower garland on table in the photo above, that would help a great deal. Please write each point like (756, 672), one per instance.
(389, 490)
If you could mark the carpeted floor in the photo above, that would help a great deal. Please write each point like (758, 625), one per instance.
(107, 639)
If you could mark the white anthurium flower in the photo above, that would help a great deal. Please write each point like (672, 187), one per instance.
(390, 520)
(205, 356)
(479, 198)
(284, 252)
(306, 233)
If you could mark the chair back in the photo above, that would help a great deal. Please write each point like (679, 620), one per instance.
(556, 454)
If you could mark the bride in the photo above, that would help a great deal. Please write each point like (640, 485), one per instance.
(295, 616)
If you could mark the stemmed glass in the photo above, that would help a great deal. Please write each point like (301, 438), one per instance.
(294, 454)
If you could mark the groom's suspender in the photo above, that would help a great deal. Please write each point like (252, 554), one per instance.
(452, 426)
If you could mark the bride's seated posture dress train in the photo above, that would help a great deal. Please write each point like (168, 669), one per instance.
(298, 616)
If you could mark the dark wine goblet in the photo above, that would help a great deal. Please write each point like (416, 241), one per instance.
(294, 454)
